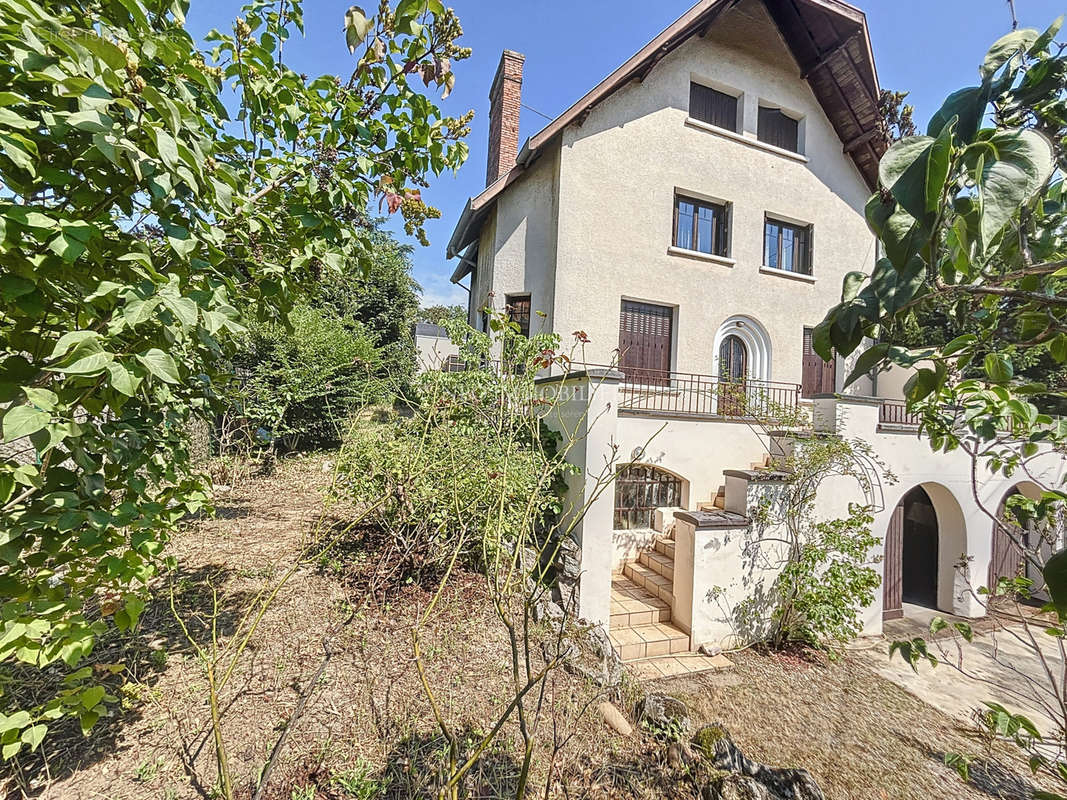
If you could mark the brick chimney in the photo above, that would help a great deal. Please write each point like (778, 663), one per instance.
(504, 100)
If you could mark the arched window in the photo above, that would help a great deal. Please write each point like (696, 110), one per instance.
(641, 489)
(741, 347)
(733, 359)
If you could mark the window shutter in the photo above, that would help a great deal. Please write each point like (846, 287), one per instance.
(778, 129)
(645, 338)
(712, 106)
(817, 376)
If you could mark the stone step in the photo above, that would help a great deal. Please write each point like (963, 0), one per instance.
(650, 580)
(632, 606)
(648, 641)
(666, 547)
(683, 664)
(660, 562)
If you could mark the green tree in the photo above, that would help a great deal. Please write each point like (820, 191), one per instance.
(972, 222)
(113, 333)
(380, 297)
(439, 314)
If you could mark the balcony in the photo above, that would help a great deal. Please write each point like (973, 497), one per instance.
(689, 394)
(895, 414)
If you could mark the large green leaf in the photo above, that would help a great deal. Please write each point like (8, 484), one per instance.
(1014, 165)
(967, 106)
(1012, 44)
(1055, 574)
(23, 420)
(867, 360)
(161, 365)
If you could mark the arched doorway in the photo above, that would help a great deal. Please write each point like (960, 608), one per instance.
(911, 555)
(1007, 558)
(733, 372)
(733, 359)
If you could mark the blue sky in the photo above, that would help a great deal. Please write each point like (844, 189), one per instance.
(926, 47)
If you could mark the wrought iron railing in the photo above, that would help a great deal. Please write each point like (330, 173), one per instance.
(895, 412)
(696, 395)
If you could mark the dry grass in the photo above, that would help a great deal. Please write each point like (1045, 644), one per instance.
(368, 725)
(862, 737)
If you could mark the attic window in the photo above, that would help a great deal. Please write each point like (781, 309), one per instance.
(713, 107)
(777, 128)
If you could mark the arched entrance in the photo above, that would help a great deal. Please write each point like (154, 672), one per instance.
(1007, 559)
(912, 555)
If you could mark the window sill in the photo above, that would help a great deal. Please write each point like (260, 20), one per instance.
(782, 273)
(681, 251)
(737, 137)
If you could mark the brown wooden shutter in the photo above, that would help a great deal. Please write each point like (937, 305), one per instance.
(645, 334)
(892, 567)
(778, 129)
(714, 107)
(817, 376)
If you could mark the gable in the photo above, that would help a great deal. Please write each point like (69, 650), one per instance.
(829, 43)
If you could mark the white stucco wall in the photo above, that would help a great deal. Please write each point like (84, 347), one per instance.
(695, 450)
(619, 172)
(517, 250)
(965, 531)
(433, 351)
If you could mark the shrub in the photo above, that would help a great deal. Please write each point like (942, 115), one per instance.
(471, 467)
(296, 385)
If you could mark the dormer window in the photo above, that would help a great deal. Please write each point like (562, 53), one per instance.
(776, 128)
(713, 107)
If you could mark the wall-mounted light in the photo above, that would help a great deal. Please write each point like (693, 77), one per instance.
(637, 454)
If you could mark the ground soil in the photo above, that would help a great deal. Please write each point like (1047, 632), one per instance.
(368, 730)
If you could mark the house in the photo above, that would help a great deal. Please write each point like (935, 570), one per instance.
(434, 349)
(695, 214)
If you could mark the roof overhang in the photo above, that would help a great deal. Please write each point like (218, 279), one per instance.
(829, 40)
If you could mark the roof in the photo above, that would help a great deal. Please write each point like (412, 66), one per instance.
(828, 39)
(429, 329)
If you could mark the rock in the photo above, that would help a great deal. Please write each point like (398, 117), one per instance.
(681, 756)
(663, 714)
(606, 669)
(546, 609)
(746, 779)
(614, 719)
(709, 649)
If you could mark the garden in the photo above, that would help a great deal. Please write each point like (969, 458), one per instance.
(249, 549)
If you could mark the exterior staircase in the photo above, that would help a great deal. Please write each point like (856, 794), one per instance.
(641, 600)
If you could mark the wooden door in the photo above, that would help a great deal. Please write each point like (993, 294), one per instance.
(1009, 560)
(818, 376)
(892, 567)
(645, 335)
(733, 375)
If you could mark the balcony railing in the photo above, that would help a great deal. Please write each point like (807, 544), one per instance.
(694, 395)
(895, 412)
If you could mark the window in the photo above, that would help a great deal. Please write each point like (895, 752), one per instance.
(518, 308)
(700, 226)
(645, 332)
(777, 128)
(712, 106)
(454, 363)
(817, 376)
(733, 359)
(786, 246)
(639, 491)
